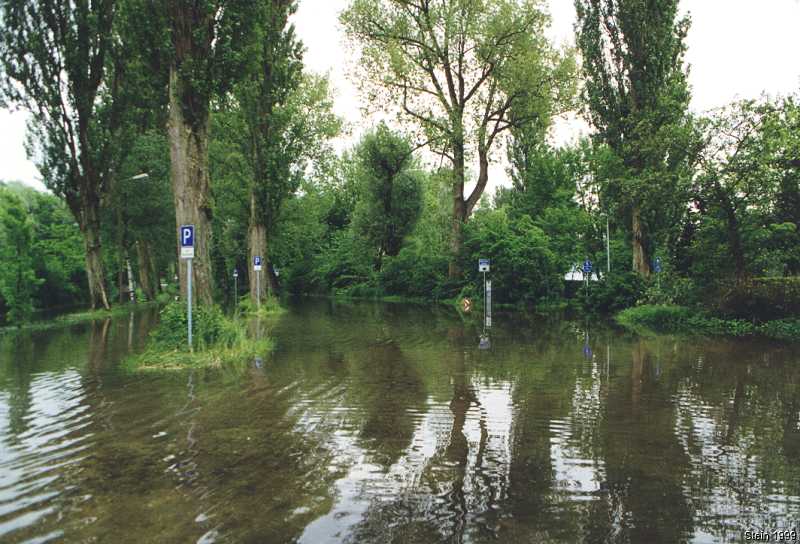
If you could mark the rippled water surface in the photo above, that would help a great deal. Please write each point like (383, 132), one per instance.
(387, 423)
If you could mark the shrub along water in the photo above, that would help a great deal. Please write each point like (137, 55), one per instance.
(654, 318)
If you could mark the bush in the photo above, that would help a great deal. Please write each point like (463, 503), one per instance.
(210, 328)
(761, 299)
(783, 329)
(414, 274)
(524, 269)
(654, 317)
(615, 292)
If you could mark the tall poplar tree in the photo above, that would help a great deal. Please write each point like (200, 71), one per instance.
(208, 40)
(637, 97)
(58, 63)
(288, 115)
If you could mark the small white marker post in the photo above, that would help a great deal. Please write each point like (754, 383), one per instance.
(235, 286)
(257, 268)
(187, 252)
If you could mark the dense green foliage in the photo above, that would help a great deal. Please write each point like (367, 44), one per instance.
(42, 254)
(236, 135)
(390, 192)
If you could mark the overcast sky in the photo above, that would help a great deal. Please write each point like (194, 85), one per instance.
(737, 49)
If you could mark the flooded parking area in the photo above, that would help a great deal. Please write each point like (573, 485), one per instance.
(389, 423)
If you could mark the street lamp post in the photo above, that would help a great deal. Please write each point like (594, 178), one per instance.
(131, 290)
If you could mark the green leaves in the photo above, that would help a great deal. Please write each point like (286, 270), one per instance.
(390, 191)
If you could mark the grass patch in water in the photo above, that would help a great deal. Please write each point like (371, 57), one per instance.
(268, 308)
(217, 339)
(652, 319)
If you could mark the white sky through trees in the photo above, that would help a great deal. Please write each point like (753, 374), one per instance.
(737, 49)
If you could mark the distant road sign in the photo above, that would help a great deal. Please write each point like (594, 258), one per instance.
(657, 265)
(483, 265)
(235, 273)
(257, 263)
(187, 241)
(587, 266)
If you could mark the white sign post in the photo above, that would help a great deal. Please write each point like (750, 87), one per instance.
(257, 268)
(235, 287)
(187, 252)
(483, 266)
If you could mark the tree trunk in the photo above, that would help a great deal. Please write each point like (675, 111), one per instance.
(640, 263)
(257, 237)
(459, 213)
(735, 242)
(90, 228)
(190, 185)
(147, 270)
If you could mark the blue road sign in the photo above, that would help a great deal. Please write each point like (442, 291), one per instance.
(483, 265)
(587, 266)
(187, 235)
(187, 241)
(256, 261)
(657, 265)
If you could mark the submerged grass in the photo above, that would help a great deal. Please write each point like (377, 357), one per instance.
(155, 359)
(217, 338)
(652, 319)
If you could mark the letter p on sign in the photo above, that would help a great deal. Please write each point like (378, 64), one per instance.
(187, 241)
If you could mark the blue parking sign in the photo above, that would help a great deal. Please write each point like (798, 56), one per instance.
(187, 241)
(587, 266)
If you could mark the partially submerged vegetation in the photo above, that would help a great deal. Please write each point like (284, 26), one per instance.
(217, 339)
(669, 319)
(75, 318)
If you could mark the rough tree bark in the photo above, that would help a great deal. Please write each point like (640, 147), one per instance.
(641, 265)
(257, 238)
(148, 279)
(89, 223)
(190, 185)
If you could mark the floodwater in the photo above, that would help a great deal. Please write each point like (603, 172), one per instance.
(387, 423)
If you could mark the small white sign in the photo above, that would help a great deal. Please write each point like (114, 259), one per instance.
(483, 265)
(187, 253)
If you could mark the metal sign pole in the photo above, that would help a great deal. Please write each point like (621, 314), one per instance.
(187, 252)
(608, 248)
(258, 289)
(189, 298)
(484, 302)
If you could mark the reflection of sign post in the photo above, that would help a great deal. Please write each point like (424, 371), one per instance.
(587, 272)
(257, 268)
(187, 252)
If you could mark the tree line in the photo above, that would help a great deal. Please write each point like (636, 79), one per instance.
(211, 100)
